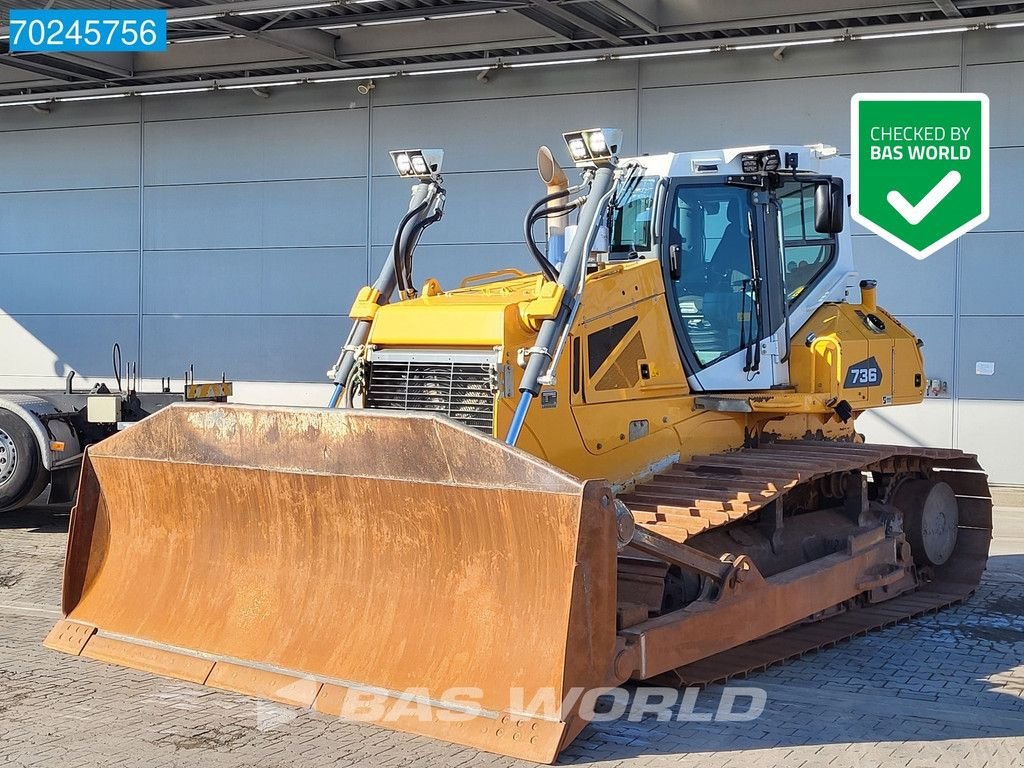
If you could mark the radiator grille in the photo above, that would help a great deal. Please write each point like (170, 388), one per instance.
(463, 391)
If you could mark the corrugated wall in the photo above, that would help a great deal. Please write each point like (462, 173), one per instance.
(231, 230)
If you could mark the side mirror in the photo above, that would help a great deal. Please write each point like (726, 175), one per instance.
(828, 207)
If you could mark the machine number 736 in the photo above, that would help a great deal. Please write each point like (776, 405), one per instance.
(866, 373)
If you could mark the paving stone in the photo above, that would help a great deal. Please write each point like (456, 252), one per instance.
(942, 690)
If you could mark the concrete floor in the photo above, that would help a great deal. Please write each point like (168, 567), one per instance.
(945, 689)
(1007, 551)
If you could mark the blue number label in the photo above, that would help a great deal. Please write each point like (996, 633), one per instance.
(84, 31)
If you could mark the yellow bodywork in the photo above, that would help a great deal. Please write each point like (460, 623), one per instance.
(634, 412)
(841, 337)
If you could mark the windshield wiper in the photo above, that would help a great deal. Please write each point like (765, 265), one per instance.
(748, 338)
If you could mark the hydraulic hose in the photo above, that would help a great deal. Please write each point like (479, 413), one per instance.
(545, 266)
(397, 246)
(410, 243)
(422, 196)
(568, 277)
(535, 215)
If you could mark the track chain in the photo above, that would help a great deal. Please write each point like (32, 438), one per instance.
(710, 491)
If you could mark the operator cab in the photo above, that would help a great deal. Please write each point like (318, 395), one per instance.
(751, 242)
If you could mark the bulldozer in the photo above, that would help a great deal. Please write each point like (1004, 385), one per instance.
(639, 462)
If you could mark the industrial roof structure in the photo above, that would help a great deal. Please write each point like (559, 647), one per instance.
(265, 43)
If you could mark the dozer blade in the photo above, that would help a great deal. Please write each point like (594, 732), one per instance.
(396, 568)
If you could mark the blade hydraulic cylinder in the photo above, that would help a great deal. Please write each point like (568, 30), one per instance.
(421, 204)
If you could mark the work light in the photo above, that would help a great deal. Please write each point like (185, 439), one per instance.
(597, 144)
(593, 145)
(754, 162)
(417, 163)
(578, 149)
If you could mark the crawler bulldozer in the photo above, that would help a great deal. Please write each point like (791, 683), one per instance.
(638, 463)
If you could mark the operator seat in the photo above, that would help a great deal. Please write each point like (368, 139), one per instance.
(733, 251)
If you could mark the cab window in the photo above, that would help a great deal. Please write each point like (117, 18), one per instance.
(805, 252)
(631, 224)
(710, 248)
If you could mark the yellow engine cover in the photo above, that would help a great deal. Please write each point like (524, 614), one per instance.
(858, 354)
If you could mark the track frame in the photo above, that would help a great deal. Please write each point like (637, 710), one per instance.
(749, 622)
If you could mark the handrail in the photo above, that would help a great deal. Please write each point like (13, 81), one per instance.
(826, 341)
(483, 276)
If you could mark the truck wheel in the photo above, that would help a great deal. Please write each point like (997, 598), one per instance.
(22, 474)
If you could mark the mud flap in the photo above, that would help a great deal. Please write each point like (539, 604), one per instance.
(395, 568)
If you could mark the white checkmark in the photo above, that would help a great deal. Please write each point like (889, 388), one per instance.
(916, 213)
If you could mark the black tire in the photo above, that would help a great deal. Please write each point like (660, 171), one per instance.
(18, 447)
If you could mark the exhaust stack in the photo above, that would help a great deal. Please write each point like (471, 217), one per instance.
(555, 180)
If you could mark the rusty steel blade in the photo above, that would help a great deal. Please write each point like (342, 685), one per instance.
(300, 554)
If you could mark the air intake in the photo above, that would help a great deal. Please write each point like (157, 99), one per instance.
(460, 385)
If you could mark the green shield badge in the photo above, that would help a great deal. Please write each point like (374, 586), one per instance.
(920, 166)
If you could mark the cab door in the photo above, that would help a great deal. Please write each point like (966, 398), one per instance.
(722, 266)
(807, 255)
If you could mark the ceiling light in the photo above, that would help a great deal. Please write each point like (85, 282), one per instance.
(657, 54)
(283, 9)
(915, 33)
(171, 91)
(349, 78)
(261, 85)
(448, 71)
(27, 103)
(382, 22)
(200, 17)
(338, 26)
(462, 15)
(335, 79)
(203, 39)
(552, 63)
(95, 97)
(1007, 25)
(779, 43)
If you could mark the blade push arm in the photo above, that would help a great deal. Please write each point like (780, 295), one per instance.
(425, 204)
